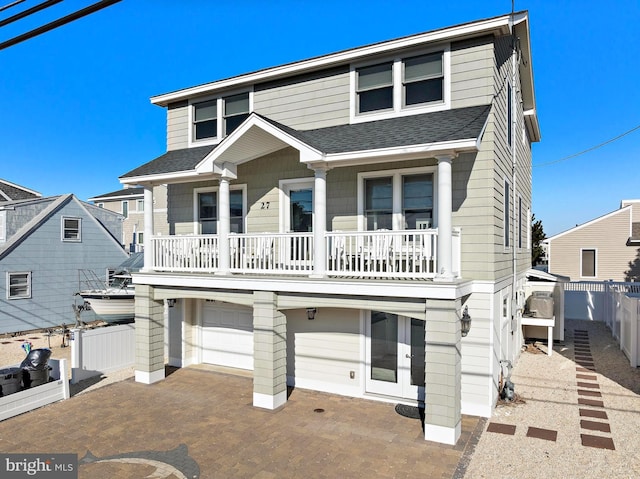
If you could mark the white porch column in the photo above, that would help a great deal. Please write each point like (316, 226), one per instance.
(224, 226)
(319, 222)
(445, 225)
(148, 227)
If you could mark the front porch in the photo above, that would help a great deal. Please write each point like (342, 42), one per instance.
(357, 254)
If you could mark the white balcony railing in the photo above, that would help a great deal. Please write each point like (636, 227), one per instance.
(408, 254)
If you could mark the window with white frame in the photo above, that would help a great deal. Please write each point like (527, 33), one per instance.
(139, 205)
(207, 214)
(18, 285)
(125, 209)
(400, 84)
(519, 222)
(588, 263)
(215, 118)
(509, 114)
(398, 200)
(507, 216)
(71, 229)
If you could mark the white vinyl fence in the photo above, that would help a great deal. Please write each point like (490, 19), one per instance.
(99, 351)
(616, 304)
(38, 396)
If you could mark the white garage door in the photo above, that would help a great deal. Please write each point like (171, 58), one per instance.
(227, 336)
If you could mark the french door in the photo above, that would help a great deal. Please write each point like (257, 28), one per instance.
(395, 356)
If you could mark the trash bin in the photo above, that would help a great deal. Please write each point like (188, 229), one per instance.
(35, 368)
(10, 381)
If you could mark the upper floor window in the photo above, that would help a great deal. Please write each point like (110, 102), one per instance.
(507, 216)
(401, 86)
(214, 119)
(401, 200)
(125, 209)
(71, 229)
(509, 114)
(18, 285)
(140, 205)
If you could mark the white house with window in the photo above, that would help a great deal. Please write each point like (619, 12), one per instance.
(43, 245)
(337, 223)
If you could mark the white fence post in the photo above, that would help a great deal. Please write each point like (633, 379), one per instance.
(76, 353)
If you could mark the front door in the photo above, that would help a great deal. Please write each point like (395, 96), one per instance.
(395, 356)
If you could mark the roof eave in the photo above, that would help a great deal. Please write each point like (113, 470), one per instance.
(497, 25)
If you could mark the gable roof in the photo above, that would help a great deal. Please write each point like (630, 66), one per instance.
(624, 209)
(436, 128)
(11, 191)
(51, 205)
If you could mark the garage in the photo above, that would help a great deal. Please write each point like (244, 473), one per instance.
(227, 335)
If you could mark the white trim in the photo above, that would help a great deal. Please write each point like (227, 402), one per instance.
(116, 198)
(498, 25)
(285, 187)
(595, 263)
(471, 408)
(267, 401)
(396, 176)
(219, 98)
(34, 192)
(145, 377)
(27, 295)
(63, 228)
(626, 209)
(398, 109)
(209, 189)
(442, 434)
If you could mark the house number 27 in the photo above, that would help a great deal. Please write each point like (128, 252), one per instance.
(265, 205)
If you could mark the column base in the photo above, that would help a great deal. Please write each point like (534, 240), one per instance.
(145, 377)
(266, 401)
(441, 434)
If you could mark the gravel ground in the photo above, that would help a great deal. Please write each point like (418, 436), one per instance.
(548, 392)
(12, 353)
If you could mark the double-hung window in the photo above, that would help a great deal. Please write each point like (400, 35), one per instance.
(507, 217)
(71, 229)
(18, 285)
(401, 200)
(216, 118)
(125, 209)
(411, 83)
(205, 120)
(207, 211)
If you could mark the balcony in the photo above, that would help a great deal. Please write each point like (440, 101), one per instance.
(409, 254)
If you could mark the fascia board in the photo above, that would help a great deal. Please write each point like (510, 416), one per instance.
(358, 157)
(307, 152)
(123, 197)
(588, 223)
(499, 24)
(161, 178)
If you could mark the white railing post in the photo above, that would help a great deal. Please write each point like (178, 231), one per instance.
(76, 352)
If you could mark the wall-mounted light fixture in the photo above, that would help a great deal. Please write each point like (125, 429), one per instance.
(311, 313)
(465, 321)
(171, 302)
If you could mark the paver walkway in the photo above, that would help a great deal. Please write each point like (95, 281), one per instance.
(211, 413)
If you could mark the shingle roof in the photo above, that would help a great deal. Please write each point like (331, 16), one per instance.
(426, 128)
(9, 191)
(123, 192)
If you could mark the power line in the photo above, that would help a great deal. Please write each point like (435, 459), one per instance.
(589, 149)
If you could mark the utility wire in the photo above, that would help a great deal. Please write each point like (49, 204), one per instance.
(589, 149)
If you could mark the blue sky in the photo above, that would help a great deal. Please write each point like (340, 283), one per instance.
(75, 111)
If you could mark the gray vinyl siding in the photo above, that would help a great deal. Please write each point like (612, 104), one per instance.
(324, 351)
(472, 72)
(54, 266)
(306, 102)
(608, 236)
(177, 126)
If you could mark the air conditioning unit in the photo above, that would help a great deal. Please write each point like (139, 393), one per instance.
(540, 305)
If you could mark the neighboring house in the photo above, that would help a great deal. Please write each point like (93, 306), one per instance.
(11, 191)
(44, 242)
(333, 219)
(129, 203)
(605, 248)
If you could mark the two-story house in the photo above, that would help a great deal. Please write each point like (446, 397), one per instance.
(129, 202)
(337, 222)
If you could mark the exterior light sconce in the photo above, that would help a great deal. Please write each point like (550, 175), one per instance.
(171, 302)
(311, 313)
(465, 321)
